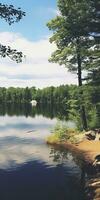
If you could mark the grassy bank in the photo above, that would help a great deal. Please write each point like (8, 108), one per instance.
(61, 133)
(76, 141)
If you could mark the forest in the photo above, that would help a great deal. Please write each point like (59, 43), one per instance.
(64, 99)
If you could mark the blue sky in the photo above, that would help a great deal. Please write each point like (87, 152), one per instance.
(38, 13)
(31, 36)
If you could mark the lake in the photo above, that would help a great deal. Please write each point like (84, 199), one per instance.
(29, 168)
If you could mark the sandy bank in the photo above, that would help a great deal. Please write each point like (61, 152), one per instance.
(86, 149)
(90, 149)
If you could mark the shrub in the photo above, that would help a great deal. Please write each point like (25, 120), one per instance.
(62, 133)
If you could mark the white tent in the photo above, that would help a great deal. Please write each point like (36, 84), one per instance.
(34, 102)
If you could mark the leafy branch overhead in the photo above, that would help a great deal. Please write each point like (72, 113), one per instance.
(11, 53)
(10, 15)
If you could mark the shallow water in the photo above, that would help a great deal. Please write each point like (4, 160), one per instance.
(30, 169)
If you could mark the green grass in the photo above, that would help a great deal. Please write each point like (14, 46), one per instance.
(61, 133)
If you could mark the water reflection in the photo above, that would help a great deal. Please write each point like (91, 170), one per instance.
(65, 159)
(22, 139)
(36, 181)
(54, 111)
(28, 172)
(47, 111)
(22, 135)
(29, 169)
(15, 152)
(25, 124)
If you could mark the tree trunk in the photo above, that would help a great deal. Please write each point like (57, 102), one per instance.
(82, 107)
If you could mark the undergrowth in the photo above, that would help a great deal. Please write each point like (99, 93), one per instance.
(61, 133)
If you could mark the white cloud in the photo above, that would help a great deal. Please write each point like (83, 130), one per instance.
(35, 69)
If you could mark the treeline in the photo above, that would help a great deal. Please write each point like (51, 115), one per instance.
(16, 95)
(64, 95)
(62, 102)
(49, 95)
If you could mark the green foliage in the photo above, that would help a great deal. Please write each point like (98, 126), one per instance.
(47, 96)
(13, 54)
(53, 95)
(27, 94)
(15, 95)
(10, 15)
(76, 33)
(61, 133)
(61, 102)
(73, 34)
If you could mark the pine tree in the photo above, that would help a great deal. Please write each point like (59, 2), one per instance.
(77, 35)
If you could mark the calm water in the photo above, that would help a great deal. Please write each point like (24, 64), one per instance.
(30, 169)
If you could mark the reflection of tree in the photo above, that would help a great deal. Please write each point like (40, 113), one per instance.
(54, 111)
(16, 109)
(27, 110)
(59, 155)
(62, 155)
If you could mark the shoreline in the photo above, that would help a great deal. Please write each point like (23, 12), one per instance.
(86, 151)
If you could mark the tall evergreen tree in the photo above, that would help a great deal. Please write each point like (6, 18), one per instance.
(76, 35)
